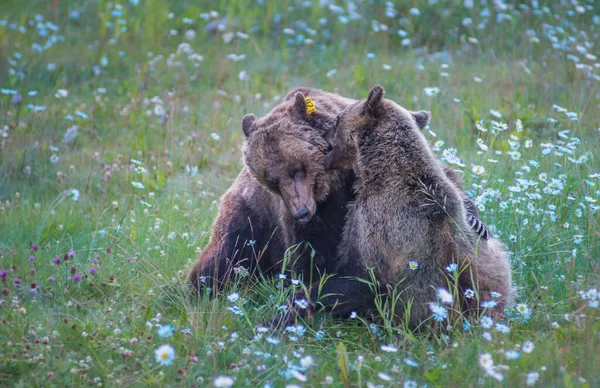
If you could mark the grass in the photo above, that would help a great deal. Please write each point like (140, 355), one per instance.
(125, 66)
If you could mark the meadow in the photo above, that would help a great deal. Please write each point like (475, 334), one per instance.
(120, 129)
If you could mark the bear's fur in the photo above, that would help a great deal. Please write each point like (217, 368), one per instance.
(406, 209)
(283, 195)
(283, 175)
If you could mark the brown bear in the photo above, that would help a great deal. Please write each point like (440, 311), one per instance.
(283, 196)
(406, 210)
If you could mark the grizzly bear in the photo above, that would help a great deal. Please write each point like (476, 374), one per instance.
(283, 196)
(406, 210)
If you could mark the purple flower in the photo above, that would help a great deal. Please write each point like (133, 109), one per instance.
(93, 271)
(71, 254)
(95, 260)
(32, 271)
(16, 98)
(3, 274)
(31, 258)
(76, 278)
(51, 279)
(17, 282)
(32, 292)
(73, 270)
(56, 260)
(34, 247)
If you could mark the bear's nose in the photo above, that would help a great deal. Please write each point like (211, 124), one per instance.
(303, 215)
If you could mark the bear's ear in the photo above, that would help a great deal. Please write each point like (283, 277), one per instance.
(300, 104)
(247, 122)
(422, 118)
(374, 100)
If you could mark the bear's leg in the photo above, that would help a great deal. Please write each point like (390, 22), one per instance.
(494, 275)
(235, 240)
(339, 295)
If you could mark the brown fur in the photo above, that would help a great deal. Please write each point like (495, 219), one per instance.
(283, 174)
(407, 209)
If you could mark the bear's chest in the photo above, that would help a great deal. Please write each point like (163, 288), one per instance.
(324, 232)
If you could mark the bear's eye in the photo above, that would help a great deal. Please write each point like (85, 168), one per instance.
(273, 183)
(297, 171)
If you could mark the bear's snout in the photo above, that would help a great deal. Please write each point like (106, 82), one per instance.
(303, 215)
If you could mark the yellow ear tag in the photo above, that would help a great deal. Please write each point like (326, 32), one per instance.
(310, 106)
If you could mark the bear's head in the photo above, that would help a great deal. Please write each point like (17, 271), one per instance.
(358, 120)
(285, 151)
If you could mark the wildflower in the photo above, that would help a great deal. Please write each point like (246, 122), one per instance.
(519, 125)
(523, 309)
(137, 185)
(272, 340)
(486, 361)
(165, 355)
(469, 293)
(431, 91)
(301, 303)
(577, 239)
(31, 259)
(166, 331)
(298, 375)
(233, 297)
(34, 248)
(236, 310)
(410, 384)
(3, 275)
(489, 304)
(17, 282)
(444, 296)
(438, 311)
(487, 336)
(353, 315)
(486, 322)
(532, 378)
(76, 278)
(74, 194)
(528, 143)
(512, 354)
(413, 265)
(191, 171)
(514, 155)
(502, 328)
(466, 326)
(306, 361)
(527, 347)
(61, 93)
(93, 271)
(388, 348)
(384, 377)
(478, 170)
(452, 267)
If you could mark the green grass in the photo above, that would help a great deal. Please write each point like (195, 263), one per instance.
(103, 329)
